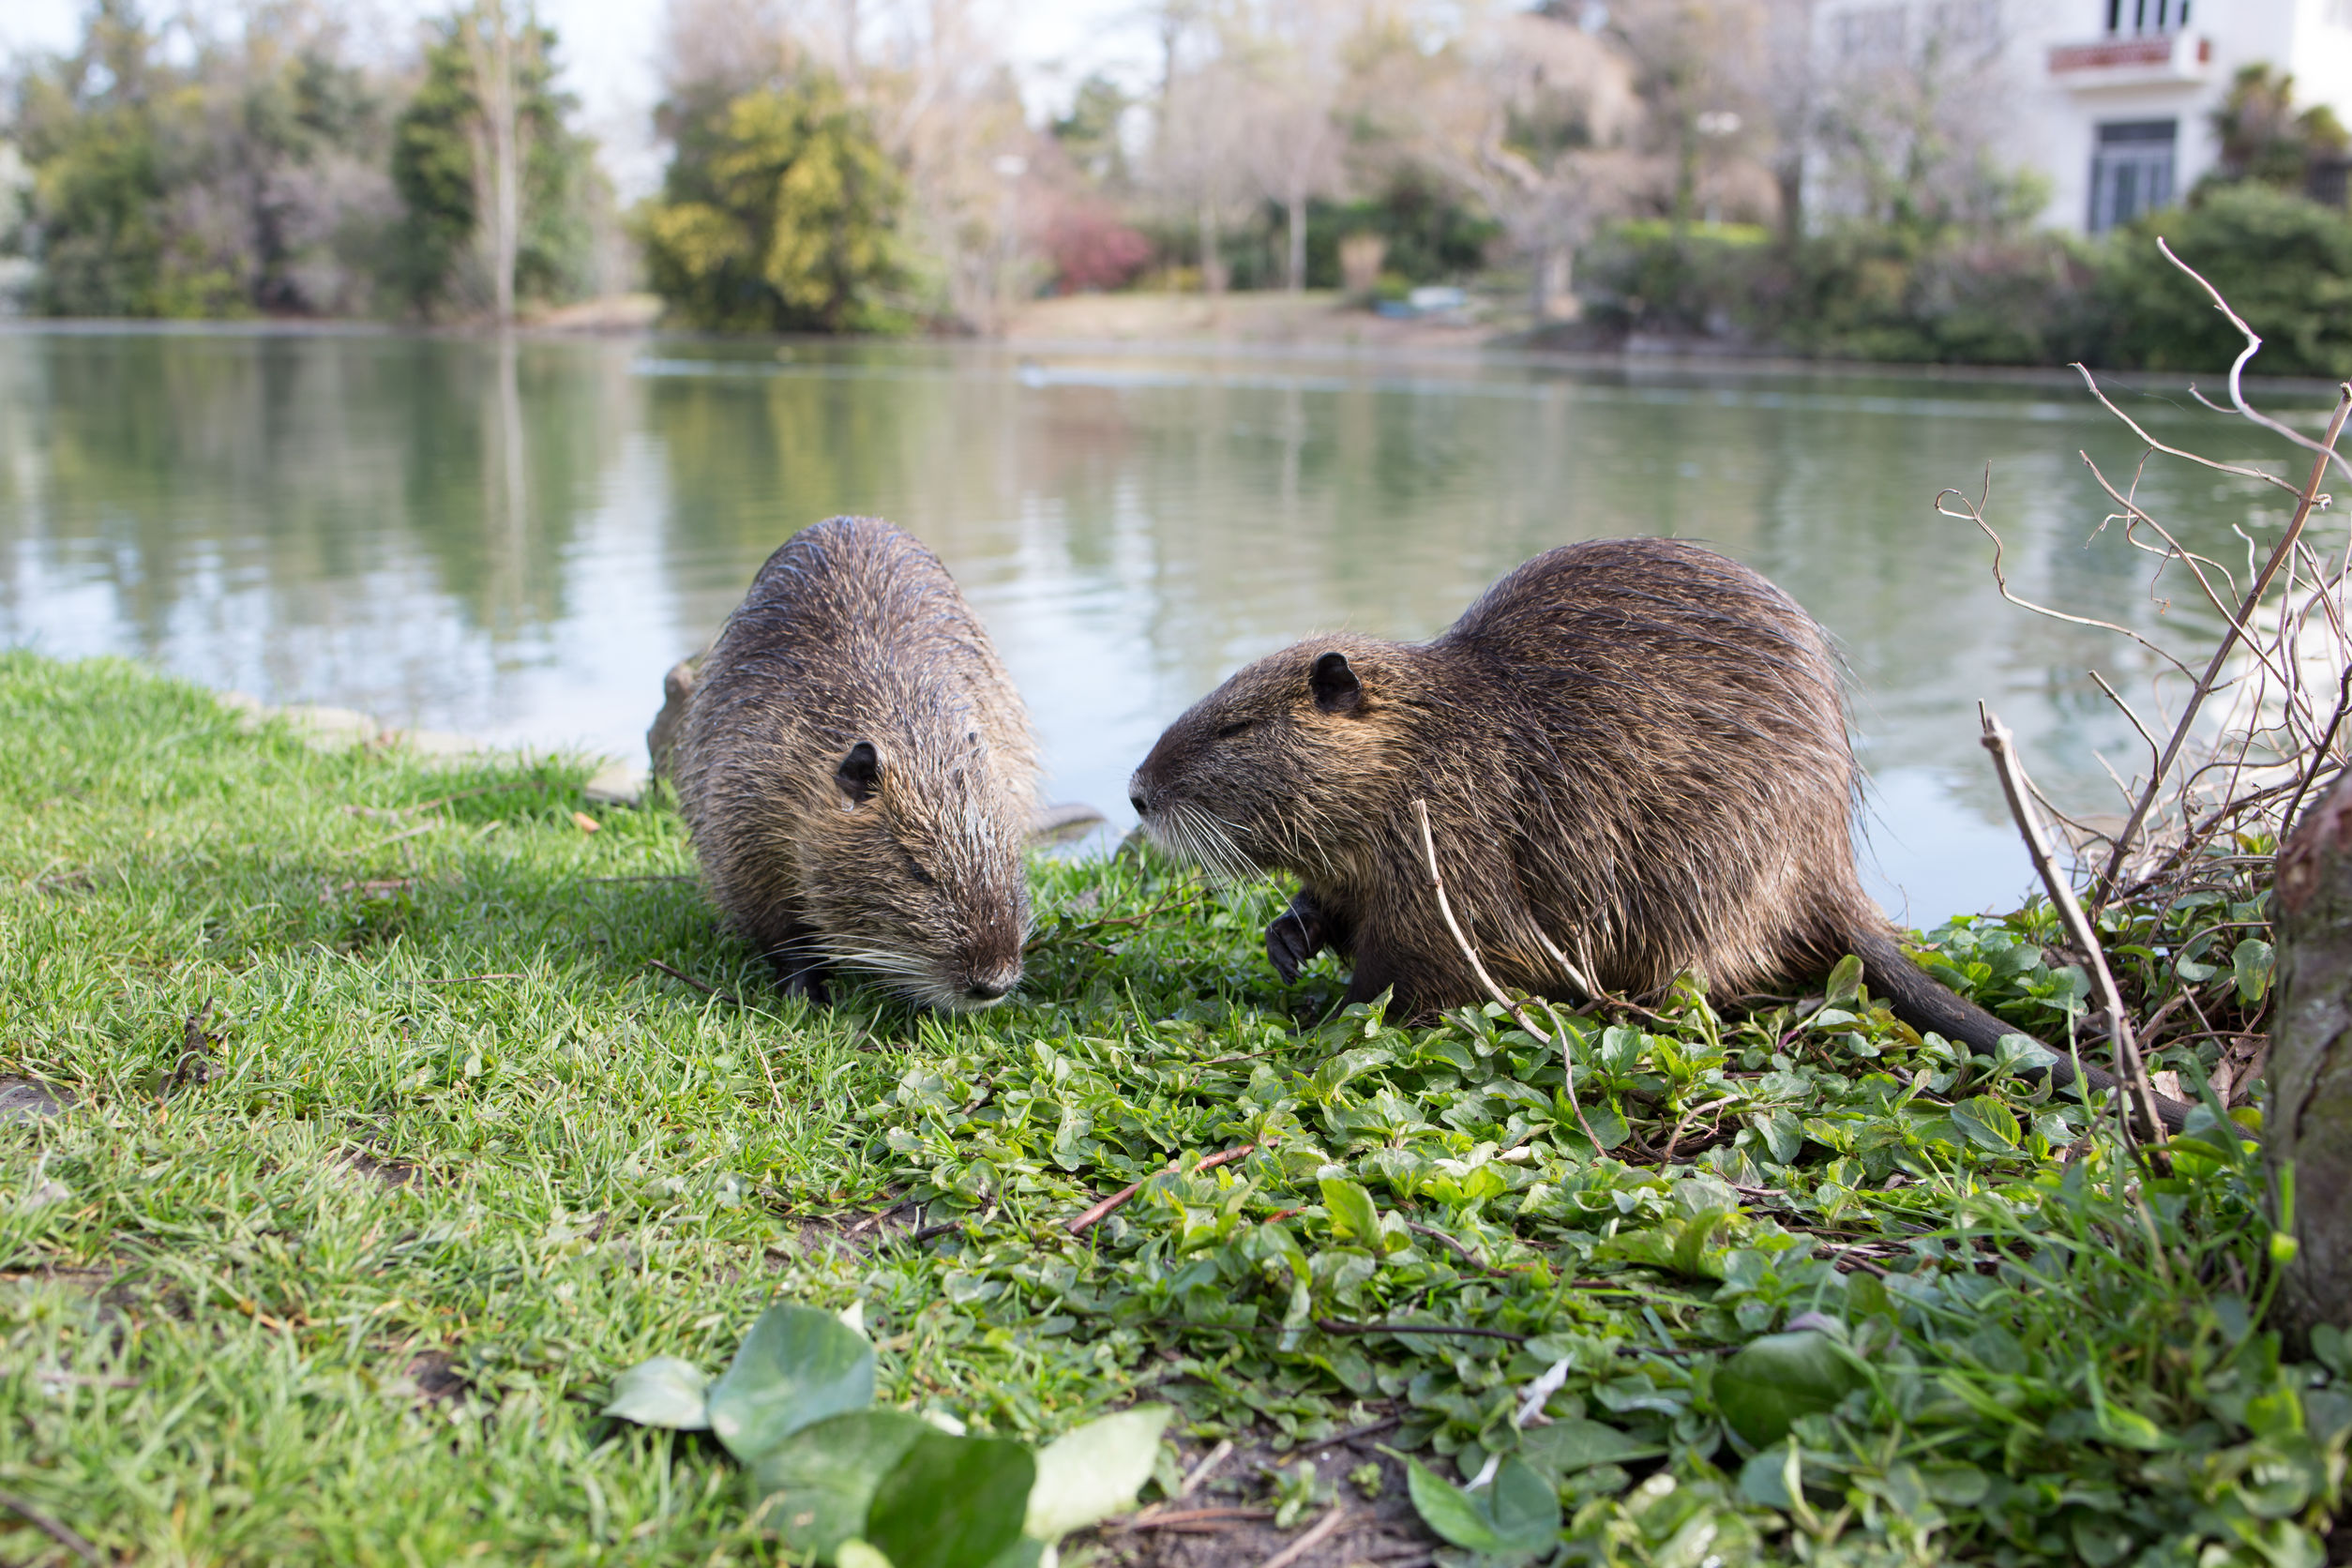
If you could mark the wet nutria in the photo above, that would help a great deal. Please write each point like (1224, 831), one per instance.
(859, 772)
(1633, 752)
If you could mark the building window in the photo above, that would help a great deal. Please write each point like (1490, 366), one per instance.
(2130, 18)
(2131, 173)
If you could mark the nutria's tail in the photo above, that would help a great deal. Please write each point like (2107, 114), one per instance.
(1921, 1002)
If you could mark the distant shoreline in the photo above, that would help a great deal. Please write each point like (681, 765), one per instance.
(1041, 329)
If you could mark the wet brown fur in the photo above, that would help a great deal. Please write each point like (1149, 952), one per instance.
(853, 634)
(1636, 749)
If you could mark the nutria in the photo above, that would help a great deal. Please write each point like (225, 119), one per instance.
(1635, 757)
(858, 772)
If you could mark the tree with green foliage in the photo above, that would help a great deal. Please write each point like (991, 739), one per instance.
(442, 167)
(2264, 139)
(777, 214)
(245, 178)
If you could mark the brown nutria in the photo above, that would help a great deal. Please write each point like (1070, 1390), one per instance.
(1635, 757)
(858, 772)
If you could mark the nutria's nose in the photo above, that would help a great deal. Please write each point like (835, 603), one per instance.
(1134, 798)
(986, 989)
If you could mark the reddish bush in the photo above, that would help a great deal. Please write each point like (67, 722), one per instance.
(1091, 249)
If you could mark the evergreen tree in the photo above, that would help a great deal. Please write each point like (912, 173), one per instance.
(778, 214)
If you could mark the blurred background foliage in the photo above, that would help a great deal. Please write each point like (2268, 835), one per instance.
(1658, 173)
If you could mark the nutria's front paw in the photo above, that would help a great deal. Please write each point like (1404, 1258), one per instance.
(1297, 935)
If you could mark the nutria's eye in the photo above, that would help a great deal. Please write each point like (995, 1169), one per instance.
(1226, 731)
(914, 867)
(857, 773)
(1333, 684)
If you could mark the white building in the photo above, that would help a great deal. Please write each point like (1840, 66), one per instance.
(2112, 99)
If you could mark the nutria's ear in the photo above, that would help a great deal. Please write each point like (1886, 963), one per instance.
(1334, 685)
(860, 767)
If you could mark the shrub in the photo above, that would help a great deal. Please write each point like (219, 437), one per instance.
(2283, 259)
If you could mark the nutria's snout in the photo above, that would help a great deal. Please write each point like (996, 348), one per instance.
(985, 986)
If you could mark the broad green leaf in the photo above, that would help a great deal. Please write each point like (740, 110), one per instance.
(952, 1502)
(1448, 1510)
(1513, 1520)
(1766, 1477)
(1567, 1446)
(2251, 961)
(663, 1391)
(1987, 1124)
(797, 1367)
(1525, 1509)
(1690, 1258)
(1087, 1474)
(1762, 1390)
(1782, 1133)
(1354, 1217)
(823, 1477)
(1845, 983)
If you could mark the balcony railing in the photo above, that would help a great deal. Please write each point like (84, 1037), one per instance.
(2140, 62)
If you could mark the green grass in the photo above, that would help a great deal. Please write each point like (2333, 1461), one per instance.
(232, 1332)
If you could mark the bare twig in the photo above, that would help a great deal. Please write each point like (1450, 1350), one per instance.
(1312, 1539)
(2327, 453)
(1567, 1064)
(1087, 1221)
(1340, 1326)
(51, 1528)
(2278, 557)
(705, 988)
(2128, 1069)
(1209, 1462)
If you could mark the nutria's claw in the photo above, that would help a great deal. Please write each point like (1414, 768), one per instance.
(1297, 935)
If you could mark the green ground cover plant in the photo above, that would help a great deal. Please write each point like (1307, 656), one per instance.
(384, 1144)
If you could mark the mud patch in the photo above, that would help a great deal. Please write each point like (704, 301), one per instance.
(1226, 1520)
(22, 1099)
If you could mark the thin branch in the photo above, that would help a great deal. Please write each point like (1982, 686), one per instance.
(1975, 513)
(2128, 1069)
(1087, 1221)
(51, 1528)
(1567, 1063)
(2189, 712)
(2327, 453)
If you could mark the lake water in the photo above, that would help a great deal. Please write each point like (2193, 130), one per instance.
(515, 539)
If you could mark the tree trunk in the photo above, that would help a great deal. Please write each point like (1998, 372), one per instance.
(1298, 240)
(494, 87)
(1211, 264)
(2307, 1121)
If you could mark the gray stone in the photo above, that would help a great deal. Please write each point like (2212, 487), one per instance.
(618, 784)
(330, 729)
(1060, 825)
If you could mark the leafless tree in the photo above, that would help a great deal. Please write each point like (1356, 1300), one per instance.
(499, 152)
(1536, 118)
(1293, 71)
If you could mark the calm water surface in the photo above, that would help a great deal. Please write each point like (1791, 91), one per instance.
(515, 540)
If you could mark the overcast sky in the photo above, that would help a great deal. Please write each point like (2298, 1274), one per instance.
(608, 48)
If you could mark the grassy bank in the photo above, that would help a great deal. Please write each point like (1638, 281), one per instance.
(385, 1144)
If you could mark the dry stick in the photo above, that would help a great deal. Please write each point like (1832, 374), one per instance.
(2237, 369)
(2310, 494)
(1567, 1064)
(2128, 1068)
(699, 985)
(2319, 758)
(51, 1528)
(1341, 1325)
(1313, 1538)
(1086, 1221)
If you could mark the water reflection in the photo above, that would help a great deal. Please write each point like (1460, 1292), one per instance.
(514, 538)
